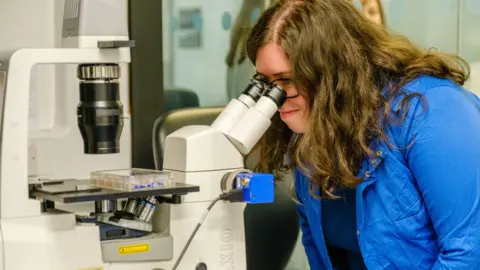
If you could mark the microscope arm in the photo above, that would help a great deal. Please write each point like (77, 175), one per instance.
(14, 154)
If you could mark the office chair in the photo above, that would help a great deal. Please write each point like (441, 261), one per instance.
(179, 98)
(176, 119)
(270, 229)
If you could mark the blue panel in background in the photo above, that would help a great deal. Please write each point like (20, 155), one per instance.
(197, 21)
(226, 20)
(255, 15)
(173, 24)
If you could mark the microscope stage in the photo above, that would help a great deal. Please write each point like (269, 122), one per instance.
(75, 191)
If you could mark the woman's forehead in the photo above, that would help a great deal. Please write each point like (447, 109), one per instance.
(271, 61)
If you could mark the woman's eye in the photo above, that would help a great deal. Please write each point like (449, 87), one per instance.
(286, 82)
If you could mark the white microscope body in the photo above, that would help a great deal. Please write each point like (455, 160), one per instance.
(35, 236)
(200, 155)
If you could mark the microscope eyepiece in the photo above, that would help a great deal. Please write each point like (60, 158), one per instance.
(254, 90)
(100, 111)
(255, 122)
(276, 94)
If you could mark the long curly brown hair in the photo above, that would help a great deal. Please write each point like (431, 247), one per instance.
(340, 63)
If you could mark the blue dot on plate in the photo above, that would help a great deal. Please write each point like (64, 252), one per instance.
(473, 6)
(197, 22)
(226, 20)
(255, 15)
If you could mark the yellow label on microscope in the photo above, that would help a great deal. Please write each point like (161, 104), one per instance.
(94, 268)
(133, 249)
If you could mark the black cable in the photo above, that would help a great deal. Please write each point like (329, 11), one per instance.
(233, 196)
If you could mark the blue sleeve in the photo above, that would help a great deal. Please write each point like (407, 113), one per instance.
(313, 255)
(445, 161)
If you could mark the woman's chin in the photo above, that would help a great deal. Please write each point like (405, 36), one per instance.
(296, 126)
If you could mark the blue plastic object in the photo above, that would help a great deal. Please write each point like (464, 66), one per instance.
(257, 187)
(255, 15)
(226, 20)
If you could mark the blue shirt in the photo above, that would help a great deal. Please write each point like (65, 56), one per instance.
(339, 229)
(419, 205)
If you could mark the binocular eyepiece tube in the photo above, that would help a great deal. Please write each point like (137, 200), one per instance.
(255, 122)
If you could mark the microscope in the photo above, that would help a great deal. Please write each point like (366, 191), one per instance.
(187, 216)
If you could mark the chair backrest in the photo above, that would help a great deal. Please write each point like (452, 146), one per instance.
(179, 98)
(176, 119)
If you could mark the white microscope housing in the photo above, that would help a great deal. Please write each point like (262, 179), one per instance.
(36, 234)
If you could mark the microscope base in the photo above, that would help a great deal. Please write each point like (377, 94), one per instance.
(153, 247)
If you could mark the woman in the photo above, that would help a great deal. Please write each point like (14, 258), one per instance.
(381, 135)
